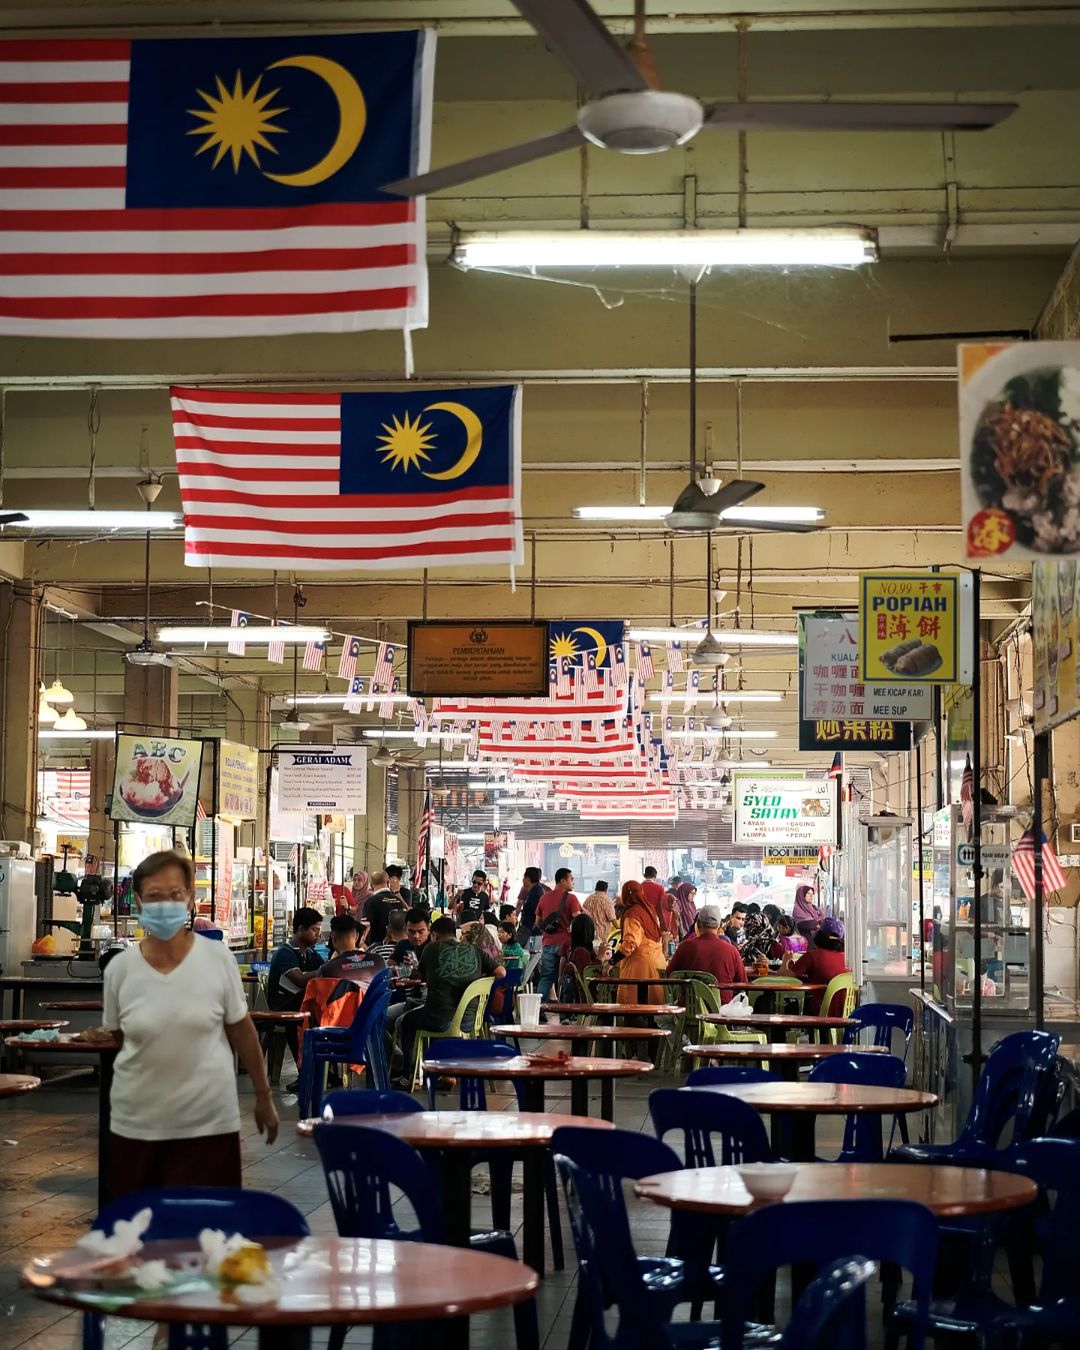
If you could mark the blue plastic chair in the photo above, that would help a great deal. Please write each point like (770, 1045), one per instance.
(608, 1268)
(362, 1042)
(831, 1314)
(818, 1233)
(510, 981)
(1049, 1229)
(182, 1214)
(361, 1166)
(472, 1096)
(367, 1102)
(721, 1075)
(610, 1158)
(862, 1133)
(883, 1019)
(705, 1116)
(1017, 1088)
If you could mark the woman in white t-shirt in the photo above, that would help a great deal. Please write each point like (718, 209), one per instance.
(177, 1003)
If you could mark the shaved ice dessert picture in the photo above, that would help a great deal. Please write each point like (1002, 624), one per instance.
(150, 787)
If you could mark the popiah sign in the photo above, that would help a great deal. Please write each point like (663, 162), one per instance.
(909, 628)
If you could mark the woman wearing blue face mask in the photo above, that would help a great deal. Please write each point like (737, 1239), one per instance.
(178, 1006)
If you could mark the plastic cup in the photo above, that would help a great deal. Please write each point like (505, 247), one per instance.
(528, 1010)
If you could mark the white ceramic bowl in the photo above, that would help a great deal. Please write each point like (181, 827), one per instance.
(768, 1181)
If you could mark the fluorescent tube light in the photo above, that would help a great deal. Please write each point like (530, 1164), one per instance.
(790, 515)
(845, 246)
(720, 735)
(311, 700)
(86, 734)
(724, 696)
(727, 637)
(404, 735)
(252, 635)
(485, 786)
(89, 522)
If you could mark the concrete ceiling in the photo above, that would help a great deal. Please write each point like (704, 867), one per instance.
(974, 231)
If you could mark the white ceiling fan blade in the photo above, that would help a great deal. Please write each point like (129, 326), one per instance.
(574, 33)
(450, 175)
(747, 521)
(856, 116)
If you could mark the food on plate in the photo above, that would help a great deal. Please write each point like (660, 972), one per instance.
(920, 660)
(150, 785)
(813, 806)
(890, 658)
(249, 1264)
(1025, 458)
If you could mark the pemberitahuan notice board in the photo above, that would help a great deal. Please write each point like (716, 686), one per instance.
(479, 658)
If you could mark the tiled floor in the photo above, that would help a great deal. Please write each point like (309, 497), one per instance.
(48, 1182)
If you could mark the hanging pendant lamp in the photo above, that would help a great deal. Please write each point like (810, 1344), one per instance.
(47, 714)
(56, 693)
(71, 721)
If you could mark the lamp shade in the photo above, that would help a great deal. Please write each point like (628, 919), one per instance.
(56, 693)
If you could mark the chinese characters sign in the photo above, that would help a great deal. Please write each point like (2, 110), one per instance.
(1020, 449)
(783, 809)
(1055, 610)
(909, 628)
(854, 733)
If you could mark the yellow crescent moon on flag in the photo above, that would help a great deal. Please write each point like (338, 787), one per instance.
(601, 645)
(474, 439)
(352, 119)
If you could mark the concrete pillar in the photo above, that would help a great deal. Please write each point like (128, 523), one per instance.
(102, 766)
(150, 698)
(369, 831)
(410, 806)
(20, 615)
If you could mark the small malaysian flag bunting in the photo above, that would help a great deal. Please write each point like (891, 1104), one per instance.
(386, 707)
(675, 656)
(354, 698)
(1023, 860)
(590, 680)
(349, 654)
(238, 621)
(618, 666)
(693, 682)
(275, 652)
(384, 666)
(314, 655)
(645, 667)
(562, 678)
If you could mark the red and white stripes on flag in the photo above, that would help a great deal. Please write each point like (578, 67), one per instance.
(588, 675)
(675, 656)
(1023, 861)
(78, 262)
(353, 699)
(314, 655)
(275, 651)
(238, 620)
(967, 799)
(384, 665)
(562, 678)
(423, 842)
(619, 673)
(347, 664)
(386, 707)
(645, 668)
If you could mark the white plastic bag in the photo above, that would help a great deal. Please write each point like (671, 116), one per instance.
(738, 1007)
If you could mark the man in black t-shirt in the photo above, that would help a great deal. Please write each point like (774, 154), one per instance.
(377, 908)
(474, 903)
(533, 895)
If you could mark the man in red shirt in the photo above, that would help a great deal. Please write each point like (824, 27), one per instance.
(556, 911)
(709, 952)
(651, 889)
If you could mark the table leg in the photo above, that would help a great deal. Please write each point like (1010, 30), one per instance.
(456, 1166)
(607, 1099)
(579, 1096)
(532, 1094)
(106, 1060)
(800, 1133)
(786, 1069)
(284, 1338)
(533, 1197)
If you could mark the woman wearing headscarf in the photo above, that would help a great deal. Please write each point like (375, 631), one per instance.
(642, 952)
(805, 912)
(687, 907)
(760, 934)
(361, 890)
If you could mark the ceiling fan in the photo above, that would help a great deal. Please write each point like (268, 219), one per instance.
(701, 504)
(626, 110)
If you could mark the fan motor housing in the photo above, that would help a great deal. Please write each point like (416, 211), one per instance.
(641, 123)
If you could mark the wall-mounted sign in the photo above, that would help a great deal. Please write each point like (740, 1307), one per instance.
(991, 856)
(323, 778)
(784, 855)
(854, 733)
(156, 780)
(831, 685)
(910, 628)
(504, 659)
(1055, 613)
(238, 780)
(1020, 449)
(783, 809)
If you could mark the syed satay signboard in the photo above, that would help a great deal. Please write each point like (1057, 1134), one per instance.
(783, 809)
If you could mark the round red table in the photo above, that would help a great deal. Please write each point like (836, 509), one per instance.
(949, 1192)
(107, 1050)
(802, 1103)
(322, 1282)
(12, 1084)
(614, 1009)
(783, 1022)
(783, 1057)
(30, 1024)
(74, 1005)
(574, 1031)
(578, 1070)
(454, 1135)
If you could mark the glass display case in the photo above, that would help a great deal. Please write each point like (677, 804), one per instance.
(1005, 958)
(887, 869)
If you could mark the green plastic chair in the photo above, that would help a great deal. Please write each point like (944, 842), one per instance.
(762, 983)
(467, 1023)
(844, 981)
(605, 994)
(702, 998)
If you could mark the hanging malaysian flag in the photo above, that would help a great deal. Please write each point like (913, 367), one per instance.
(423, 843)
(1023, 861)
(562, 677)
(675, 656)
(386, 707)
(314, 655)
(239, 620)
(836, 768)
(275, 651)
(384, 665)
(619, 673)
(349, 653)
(213, 186)
(967, 799)
(589, 677)
(357, 480)
(645, 670)
(354, 698)
(690, 693)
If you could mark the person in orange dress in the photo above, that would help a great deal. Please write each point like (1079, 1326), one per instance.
(642, 952)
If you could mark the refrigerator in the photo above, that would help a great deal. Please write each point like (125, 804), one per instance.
(18, 913)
